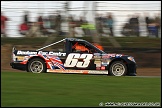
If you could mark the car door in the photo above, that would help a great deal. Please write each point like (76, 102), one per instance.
(81, 56)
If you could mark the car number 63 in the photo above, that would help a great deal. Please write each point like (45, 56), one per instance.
(72, 60)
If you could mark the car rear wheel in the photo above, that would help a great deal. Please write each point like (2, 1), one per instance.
(118, 68)
(36, 65)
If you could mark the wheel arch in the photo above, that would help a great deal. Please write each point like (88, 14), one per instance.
(117, 59)
(32, 59)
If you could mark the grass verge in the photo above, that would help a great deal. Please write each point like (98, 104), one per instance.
(22, 89)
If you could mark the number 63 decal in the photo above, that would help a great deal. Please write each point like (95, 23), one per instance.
(72, 60)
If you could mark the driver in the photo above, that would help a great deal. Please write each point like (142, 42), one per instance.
(79, 47)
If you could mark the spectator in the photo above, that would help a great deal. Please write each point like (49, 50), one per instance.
(25, 26)
(23, 29)
(81, 22)
(134, 25)
(153, 31)
(158, 23)
(58, 22)
(40, 21)
(3, 24)
(71, 26)
(26, 17)
(110, 22)
(126, 30)
(153, 26)
(99, 26)
(91, 29)
(46, 23)
(40, 24)
(85, 27)
(147, 20)
(34, 30)
(52, 21)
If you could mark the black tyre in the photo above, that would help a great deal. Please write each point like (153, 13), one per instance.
(118, 68)
(36, 65)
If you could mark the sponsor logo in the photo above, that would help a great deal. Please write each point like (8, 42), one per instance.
(108, 55)
(78, 71)
(97, 55)
(40, 52)
(97, 72)
(19, 58)
(26, 53)
(98, 65)
(97, 68)
(104, 62)
(103, 68)
(118, 55)
(57, 53)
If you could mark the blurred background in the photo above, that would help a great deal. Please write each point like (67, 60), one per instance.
(127, 27)
(120, 15)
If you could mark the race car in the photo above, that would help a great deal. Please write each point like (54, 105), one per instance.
(72, 55)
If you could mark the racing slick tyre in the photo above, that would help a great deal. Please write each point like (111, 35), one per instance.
(36, 65)
(118, 68)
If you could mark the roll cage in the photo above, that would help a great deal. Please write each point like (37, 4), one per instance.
(69, 43)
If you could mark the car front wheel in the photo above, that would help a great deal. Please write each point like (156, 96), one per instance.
(36, 65)
(118, 68)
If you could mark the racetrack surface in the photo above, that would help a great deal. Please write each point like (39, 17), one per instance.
(143, 72)
(148, 71)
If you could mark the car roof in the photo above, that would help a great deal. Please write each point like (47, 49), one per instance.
(69, 39)
(74, 39)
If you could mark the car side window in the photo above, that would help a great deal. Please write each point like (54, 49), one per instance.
(82, 48)
(60, 47)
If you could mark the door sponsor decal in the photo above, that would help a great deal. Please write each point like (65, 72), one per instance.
(73, 60)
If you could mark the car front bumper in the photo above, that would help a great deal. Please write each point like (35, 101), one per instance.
(17, 65)
(132, 67)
